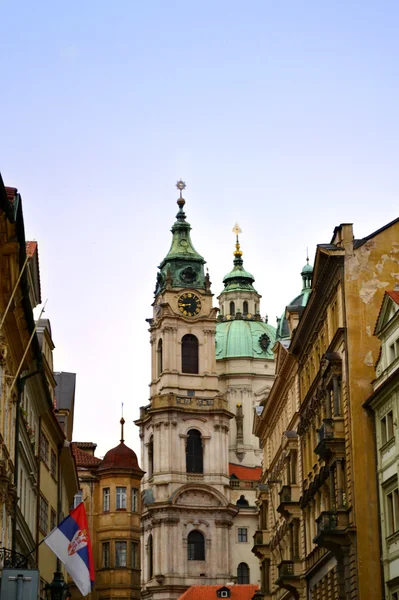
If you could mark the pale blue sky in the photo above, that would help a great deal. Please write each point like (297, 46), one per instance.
(280, 115)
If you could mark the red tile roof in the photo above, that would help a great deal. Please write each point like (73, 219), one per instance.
(90, 445)
(208, 592)
(245, 473)
(82, 458)
(31, 248)
(394, 295)
(11, 193)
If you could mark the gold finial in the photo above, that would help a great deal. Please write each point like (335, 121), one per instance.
(122, 422)
(237, 229)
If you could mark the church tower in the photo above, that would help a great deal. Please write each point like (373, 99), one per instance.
(184, 430)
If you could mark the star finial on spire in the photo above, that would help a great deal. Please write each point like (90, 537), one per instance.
(181, 186)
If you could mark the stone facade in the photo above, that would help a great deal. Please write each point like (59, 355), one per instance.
(384, 402)
(328, 372)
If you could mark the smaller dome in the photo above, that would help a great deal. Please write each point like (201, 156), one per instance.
(120, 457)
(307, 268)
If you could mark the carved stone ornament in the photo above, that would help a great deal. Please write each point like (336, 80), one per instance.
(188, 275)
(264, 341)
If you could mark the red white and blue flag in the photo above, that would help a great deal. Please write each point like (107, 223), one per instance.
(70, 541)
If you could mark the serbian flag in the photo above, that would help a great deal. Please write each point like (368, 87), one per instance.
(70, 541)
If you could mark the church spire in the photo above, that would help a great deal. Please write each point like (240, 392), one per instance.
(238, 278)
(182, 266)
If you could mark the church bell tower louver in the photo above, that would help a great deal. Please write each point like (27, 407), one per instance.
(184, 432)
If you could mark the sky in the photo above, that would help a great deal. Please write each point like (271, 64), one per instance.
(282, 116)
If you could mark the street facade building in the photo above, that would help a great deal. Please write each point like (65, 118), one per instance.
(323, 539)
(27, 411)
(200, 457)
(110, 489)
(384, 402)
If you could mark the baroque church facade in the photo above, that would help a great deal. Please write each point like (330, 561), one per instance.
(210, 370)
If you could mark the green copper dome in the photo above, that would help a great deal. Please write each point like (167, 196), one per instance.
(241, 338)
(300, 301)
(238, 279)
(182, 266)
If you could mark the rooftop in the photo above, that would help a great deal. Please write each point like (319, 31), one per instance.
(209, 592)
(245, 473)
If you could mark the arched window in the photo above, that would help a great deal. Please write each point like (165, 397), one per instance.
(232, 309)
(245, 308)
(195, 546)
(151, 457)
(189, 354)
(159, 357)
(194, 457)
(150, 552)
(243, 573)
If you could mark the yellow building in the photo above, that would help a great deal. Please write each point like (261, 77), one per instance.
(110, 489)
(334, 351)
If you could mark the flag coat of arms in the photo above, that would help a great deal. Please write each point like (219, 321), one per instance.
(70, 541)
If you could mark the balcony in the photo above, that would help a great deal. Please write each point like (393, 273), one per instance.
(261, 547)
(289, 501)
(333, 530)
(331, 439)
(289, 577)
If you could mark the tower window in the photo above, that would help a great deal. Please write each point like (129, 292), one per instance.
(194, 456)
(150, 551)
(195, 546)
(159, 357)
(151, 457)
(189, 354)
(245, 308)
(232, 309)
(243, 573)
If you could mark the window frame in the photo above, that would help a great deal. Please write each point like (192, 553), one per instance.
(135, 499)
(53, 464)
(120, 497)
(120, 551)
(196, 548)
(242, 532)
(43, 514)
(44, 448)
(106, 555)
(106, 499)
(243, 575)
(135, 554)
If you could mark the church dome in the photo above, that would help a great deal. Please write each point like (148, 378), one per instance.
(283, 331)
(120, 457)
(241, 338)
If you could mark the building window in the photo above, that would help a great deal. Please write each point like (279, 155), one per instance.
(189, 354)
(245, 308)
(387, 432)
(160, 357)
(195, 546)
(53, 520)
(135, 555)
(243, 573)
(120, 554)
(150, 551)
(78, 498)
(151, 457)
(242, 534)
(232, 309)
(392, 511)
(194, 458)
(106, 555)
(53, 464)
(44, 448)
(134, 499)
(120, 498)
(43, 515)
(106, 499)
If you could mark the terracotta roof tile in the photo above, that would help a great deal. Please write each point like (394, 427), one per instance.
(82, 458)
(31, 248)
(245, 473)
(394, 295)
(208, 592)
(90, 445)
(11, 193)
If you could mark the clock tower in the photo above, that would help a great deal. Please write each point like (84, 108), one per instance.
(187, 513)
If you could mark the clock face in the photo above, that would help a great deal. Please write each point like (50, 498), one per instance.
(189, 304)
